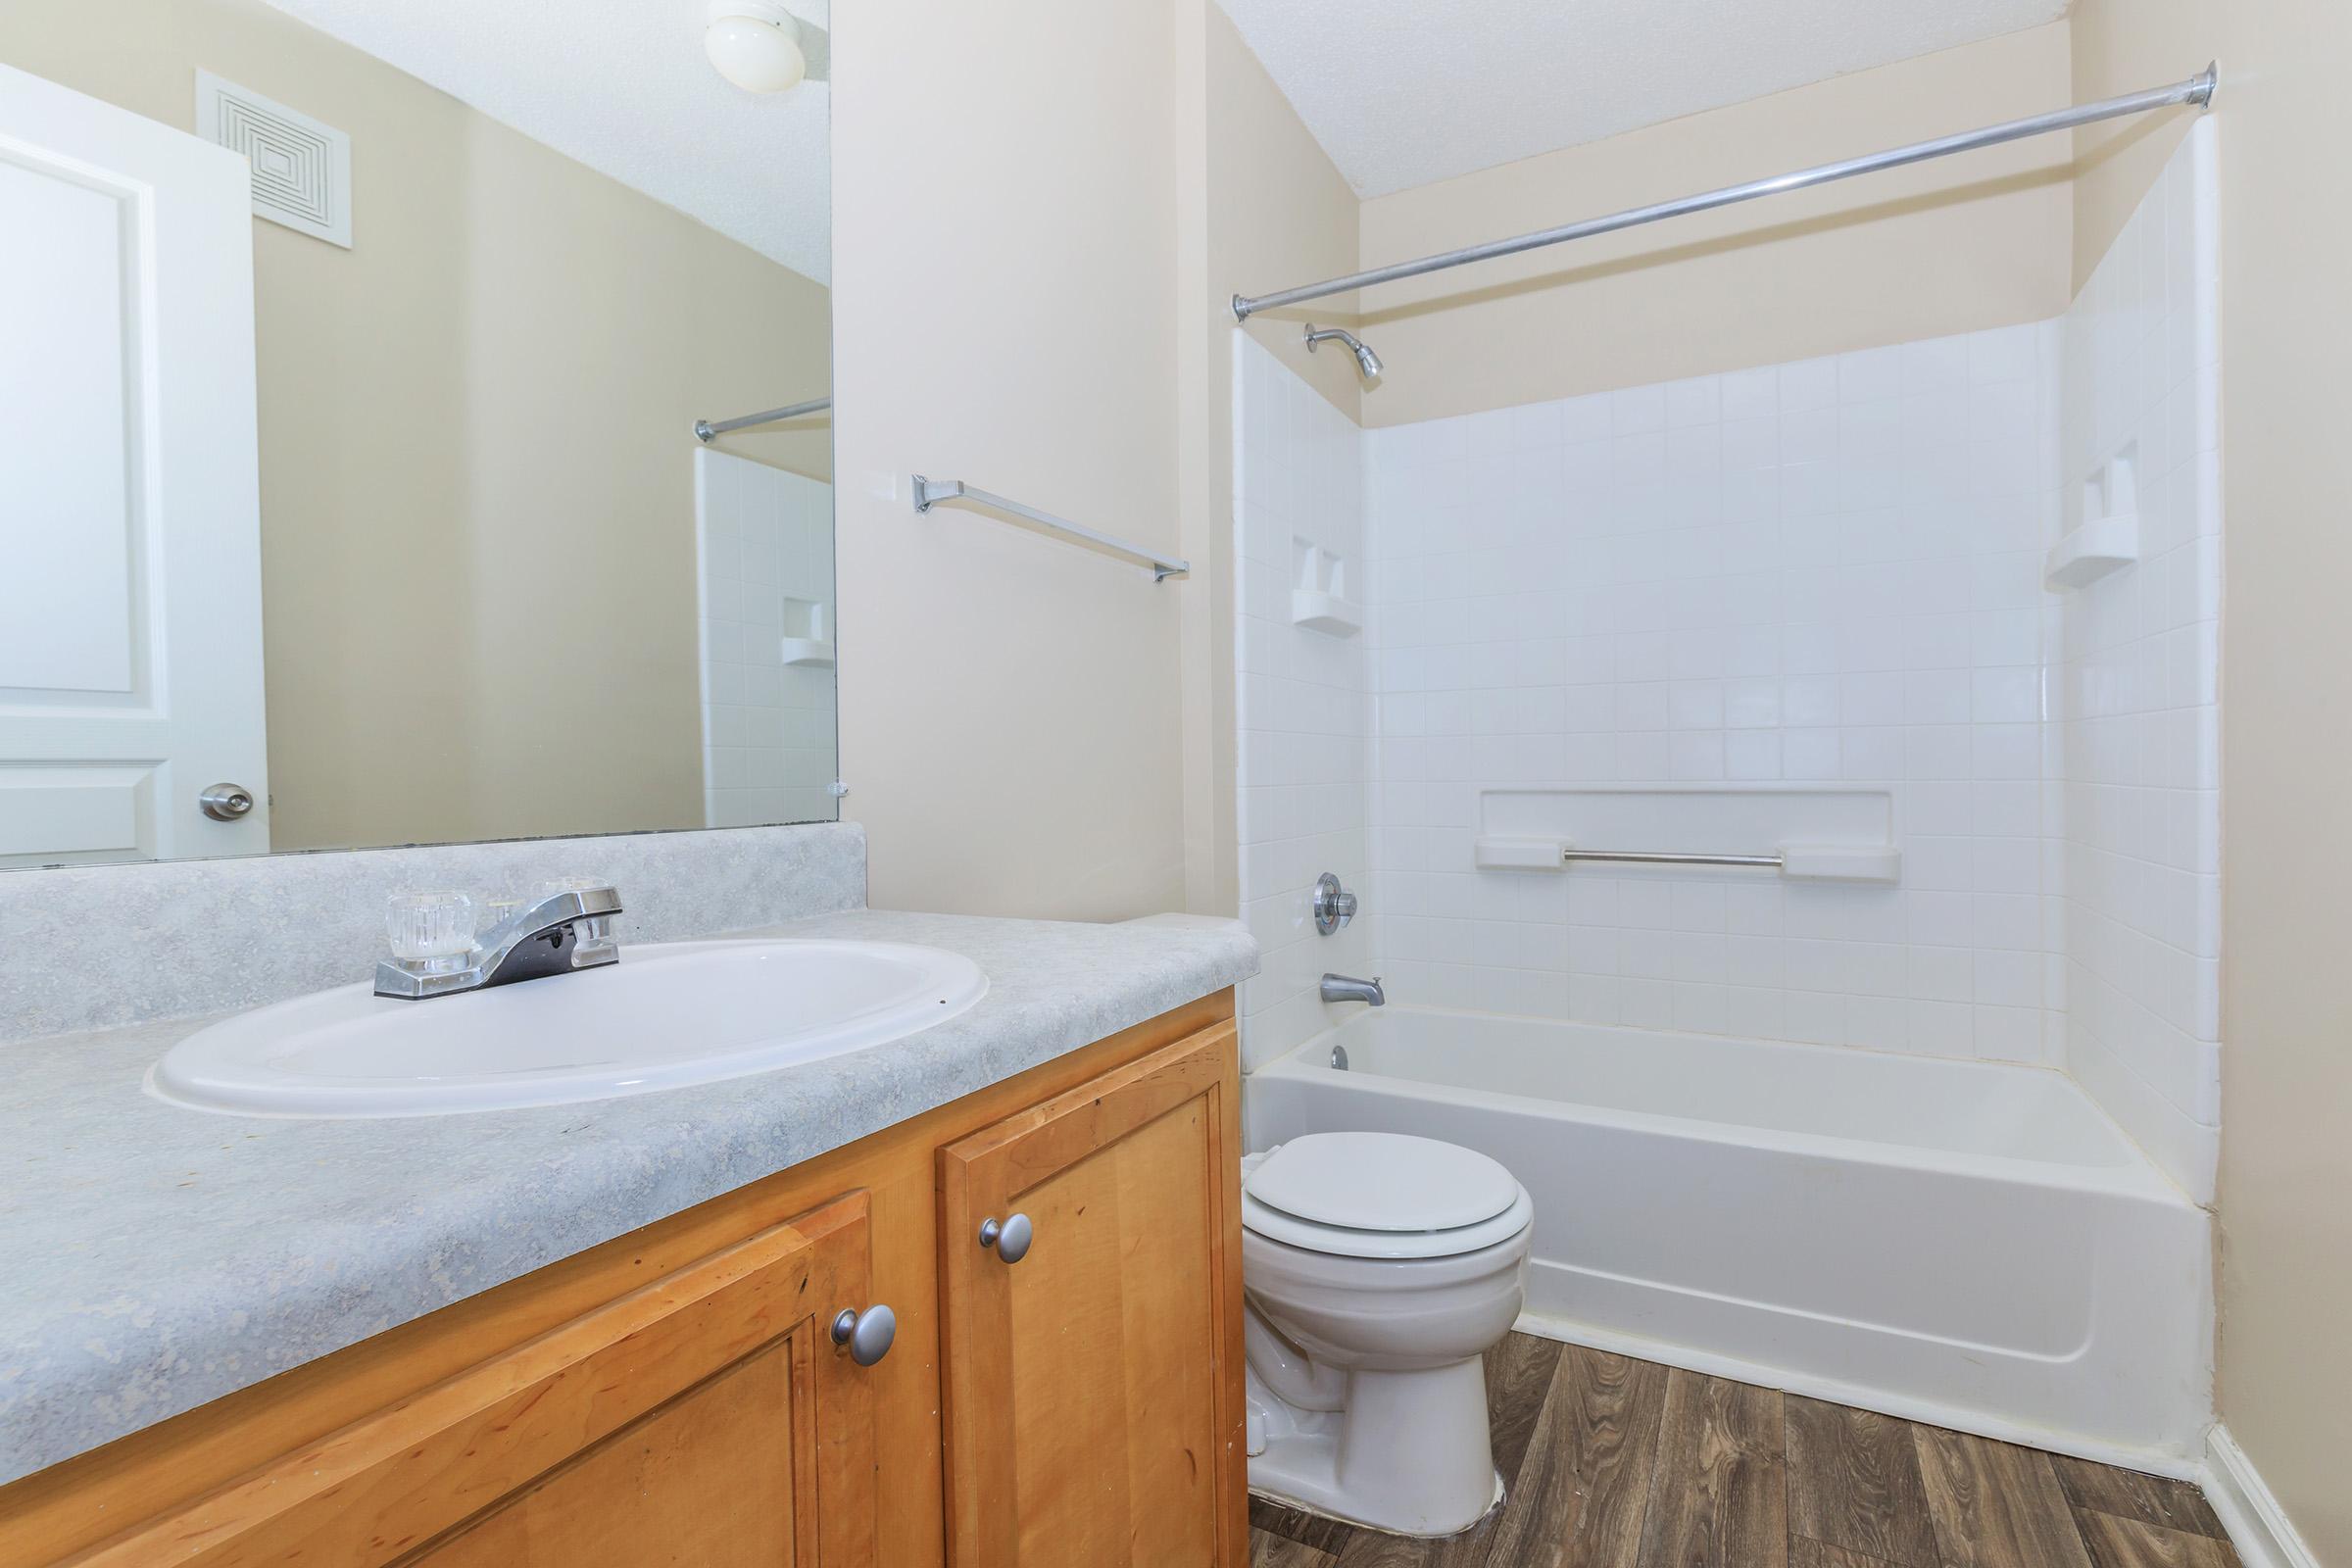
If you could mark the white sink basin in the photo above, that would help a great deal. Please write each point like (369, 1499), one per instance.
(664, 1016)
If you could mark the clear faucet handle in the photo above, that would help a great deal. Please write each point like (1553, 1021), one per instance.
(593, 935)
(431, 932)
(565, 884)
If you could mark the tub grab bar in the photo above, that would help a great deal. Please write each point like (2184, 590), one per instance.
(1803, 862)
(1667, 857)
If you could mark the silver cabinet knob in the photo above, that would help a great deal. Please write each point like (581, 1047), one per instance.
(225, 803)
(1011, 1239)
(867, 1334)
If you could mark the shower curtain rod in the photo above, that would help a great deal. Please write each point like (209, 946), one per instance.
(704, 431)
(2197, 90)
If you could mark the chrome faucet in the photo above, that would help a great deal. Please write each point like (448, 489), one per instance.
(1347, 988)
(554, 934)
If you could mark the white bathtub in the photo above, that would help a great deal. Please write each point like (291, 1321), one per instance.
(1967, 1243)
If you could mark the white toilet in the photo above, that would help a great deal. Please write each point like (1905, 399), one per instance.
(1379, 1270)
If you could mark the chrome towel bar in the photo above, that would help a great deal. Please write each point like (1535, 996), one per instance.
(705, 431)
(928, 492)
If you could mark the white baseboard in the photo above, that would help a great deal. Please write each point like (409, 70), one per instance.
(2258, 1527)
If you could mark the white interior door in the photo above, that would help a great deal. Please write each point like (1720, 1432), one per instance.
(131, 600)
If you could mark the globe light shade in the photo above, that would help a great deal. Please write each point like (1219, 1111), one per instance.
(756, 53)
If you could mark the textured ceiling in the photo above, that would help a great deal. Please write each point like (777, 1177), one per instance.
(623, 85)
(1403, 92)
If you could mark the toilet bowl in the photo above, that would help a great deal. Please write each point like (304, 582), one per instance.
(1378, 1270)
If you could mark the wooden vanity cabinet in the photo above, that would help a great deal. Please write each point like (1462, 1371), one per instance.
(676, 1395)
(1093, 1341)
(706, 1417)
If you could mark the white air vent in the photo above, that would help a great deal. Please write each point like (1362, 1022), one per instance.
(301, 169)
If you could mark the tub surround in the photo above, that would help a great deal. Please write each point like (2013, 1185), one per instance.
(2135, 677)
(168, 1257)
(1303, 698)
(1812, 579)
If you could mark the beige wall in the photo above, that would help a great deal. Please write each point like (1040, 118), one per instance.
(1279, 211)
(1033, 266)
(2120, 48)
(478, 492)
(1938, 248)
(2286, 1016)
(1005, 234)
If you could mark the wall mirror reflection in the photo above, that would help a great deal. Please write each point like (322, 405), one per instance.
(351, 486)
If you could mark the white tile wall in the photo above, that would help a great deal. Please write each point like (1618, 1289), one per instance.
(1304, 704)
(762, 538)
(1827, 571)
(1823, 572)
(2137, 676)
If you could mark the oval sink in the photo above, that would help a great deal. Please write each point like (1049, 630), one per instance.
(664, 1016)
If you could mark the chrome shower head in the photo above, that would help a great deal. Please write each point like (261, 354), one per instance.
(1367, 363)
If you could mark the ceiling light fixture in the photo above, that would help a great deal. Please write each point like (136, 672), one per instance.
(755, 44)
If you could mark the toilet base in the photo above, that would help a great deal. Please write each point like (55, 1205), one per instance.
(1408, 1454)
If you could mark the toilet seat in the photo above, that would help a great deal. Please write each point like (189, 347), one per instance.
(1381, 1196)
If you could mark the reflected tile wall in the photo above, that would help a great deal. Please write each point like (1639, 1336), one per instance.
(765, 543)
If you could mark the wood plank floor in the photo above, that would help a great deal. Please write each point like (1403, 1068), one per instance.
(1609, 1462)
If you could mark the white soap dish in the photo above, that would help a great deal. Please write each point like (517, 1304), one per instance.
(2098, 548)
(811, 653)
(1325, 613)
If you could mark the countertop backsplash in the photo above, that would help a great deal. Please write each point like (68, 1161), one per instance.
(122, 945)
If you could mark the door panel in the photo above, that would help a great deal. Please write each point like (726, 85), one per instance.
(707, 1418)
(86, 813)
(712, 1479)
(1094, 1387)
(68, 457)
(129, 503)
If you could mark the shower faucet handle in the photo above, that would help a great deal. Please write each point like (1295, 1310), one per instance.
(1333, 905)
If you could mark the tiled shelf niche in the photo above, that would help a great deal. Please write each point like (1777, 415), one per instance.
(2108, 538)
(808, 641)
(1319, 599)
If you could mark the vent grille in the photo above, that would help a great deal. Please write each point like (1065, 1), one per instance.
(301, 169)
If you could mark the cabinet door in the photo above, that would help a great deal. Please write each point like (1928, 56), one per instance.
(1094, 1386)
(707, 1419)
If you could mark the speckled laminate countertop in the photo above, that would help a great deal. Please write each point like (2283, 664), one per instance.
(156, 1258)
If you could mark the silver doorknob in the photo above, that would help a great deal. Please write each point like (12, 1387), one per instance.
(867, 1334)
(1011, 1239)
(225, 803)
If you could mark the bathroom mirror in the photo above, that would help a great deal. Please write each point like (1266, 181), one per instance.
(352, 357)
